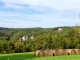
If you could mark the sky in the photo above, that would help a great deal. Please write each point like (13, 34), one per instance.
(39, 13)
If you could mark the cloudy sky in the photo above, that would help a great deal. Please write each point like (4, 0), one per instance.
(39, 13)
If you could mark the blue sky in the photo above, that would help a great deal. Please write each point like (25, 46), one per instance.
(39, 13)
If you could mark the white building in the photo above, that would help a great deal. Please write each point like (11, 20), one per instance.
(60, 29)
(32, 37)
(24, 38)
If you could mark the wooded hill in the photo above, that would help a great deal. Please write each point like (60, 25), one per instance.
(30, 39)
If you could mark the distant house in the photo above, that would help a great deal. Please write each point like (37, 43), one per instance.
(23, 38)
(59, 29)
(32, 37)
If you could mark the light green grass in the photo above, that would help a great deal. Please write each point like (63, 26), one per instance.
(30, 56)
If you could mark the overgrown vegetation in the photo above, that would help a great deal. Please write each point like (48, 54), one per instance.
(43, 38)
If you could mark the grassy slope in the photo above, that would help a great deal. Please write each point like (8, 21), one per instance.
(30, 56)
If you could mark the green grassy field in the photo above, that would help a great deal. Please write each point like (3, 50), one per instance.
(30, 56)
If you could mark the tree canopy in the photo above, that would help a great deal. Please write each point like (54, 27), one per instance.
(13, 40)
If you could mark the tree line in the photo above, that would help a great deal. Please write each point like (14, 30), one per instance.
(44, 38)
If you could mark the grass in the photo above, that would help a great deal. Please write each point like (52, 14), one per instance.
(30, 56)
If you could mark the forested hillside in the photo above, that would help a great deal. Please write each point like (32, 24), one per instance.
(30, 39)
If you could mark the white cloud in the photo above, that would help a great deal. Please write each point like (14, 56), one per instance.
(38, 20)
(8, 14)
(48, 13)
(56, 4)
(9, 5)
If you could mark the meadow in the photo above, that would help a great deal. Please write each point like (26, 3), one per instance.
(30, 56)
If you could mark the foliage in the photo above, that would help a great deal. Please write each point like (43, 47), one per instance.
(43, 38)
